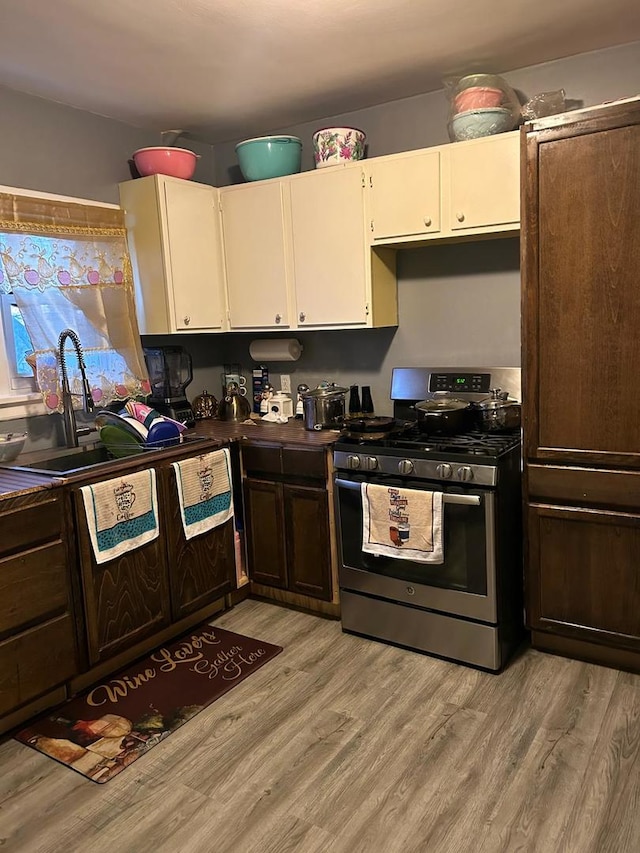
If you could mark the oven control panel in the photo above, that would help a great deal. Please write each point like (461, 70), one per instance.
(418, 469)
(475, 383)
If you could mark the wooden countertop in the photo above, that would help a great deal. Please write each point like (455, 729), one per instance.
(259, 431)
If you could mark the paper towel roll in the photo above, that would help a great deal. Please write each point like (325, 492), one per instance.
(276, 349)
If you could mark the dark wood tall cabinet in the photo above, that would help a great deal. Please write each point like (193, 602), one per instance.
(581, 361)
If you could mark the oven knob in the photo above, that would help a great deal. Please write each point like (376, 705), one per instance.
(371, 462)
(444, 470)
(353, 461)
(465, 473)
(405, 466)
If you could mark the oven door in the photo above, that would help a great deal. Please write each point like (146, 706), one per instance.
(463, 585)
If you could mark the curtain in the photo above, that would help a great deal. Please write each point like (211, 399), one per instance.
(68, 267)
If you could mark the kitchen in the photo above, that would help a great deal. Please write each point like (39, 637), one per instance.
(483, 276)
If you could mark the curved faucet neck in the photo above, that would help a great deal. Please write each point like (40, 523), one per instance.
(68, 415)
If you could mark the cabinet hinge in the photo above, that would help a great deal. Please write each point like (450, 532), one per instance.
(220, 205)
(363, 180)
(372, 228)
(366, 310)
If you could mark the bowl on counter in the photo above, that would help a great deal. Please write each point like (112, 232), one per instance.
(164, 160)
(473, 124)
(11, 444)
(334, 145)
(269, 157)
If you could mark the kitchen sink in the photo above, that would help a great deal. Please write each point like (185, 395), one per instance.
(64, 462)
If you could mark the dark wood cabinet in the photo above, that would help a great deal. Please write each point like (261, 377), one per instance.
(38, 636)
(581, 349)
(132, 598)
(287, 519)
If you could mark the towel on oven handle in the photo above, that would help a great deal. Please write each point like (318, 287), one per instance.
(402, 523)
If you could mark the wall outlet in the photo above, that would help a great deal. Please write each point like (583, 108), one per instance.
(285, 383)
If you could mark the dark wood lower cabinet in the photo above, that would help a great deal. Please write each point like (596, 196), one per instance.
(287, 520)
(38, 631)
(584, 576)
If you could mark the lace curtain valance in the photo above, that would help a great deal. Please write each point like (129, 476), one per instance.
(68, 267)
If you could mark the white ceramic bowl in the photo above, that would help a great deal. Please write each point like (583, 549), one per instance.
(333, 145)
(11, 444)
(472, 124)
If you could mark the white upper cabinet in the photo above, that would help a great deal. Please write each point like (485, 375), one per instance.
(448, 192)
(175, 240)
(484, 183)
(338, 281)
(404, 194)
(256, 255)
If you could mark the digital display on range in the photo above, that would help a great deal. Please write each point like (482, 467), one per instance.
(475, 383)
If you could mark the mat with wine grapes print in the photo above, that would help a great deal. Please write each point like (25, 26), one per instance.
(104, 730)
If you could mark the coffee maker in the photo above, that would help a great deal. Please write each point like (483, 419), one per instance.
(170, 372)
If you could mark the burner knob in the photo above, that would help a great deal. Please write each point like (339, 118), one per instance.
(444, 470)
(371, 462)
(353, 461)
(465, 473)
(405, 466)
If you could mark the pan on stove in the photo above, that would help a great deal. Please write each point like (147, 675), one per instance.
(373, 428)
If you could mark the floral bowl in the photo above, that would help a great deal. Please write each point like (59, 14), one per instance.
(334, 145)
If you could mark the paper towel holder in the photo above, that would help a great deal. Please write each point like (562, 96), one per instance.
(275, 349)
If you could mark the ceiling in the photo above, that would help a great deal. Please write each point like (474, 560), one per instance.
(234, 68)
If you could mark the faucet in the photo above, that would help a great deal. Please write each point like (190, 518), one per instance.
(71, 430)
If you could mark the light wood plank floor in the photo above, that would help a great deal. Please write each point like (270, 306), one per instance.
(343, 745)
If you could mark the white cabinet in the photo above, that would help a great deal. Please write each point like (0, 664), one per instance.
(175, 240)
(256, 251)
(484, 183)
(450, 192)
(404, 194)
(339, 282)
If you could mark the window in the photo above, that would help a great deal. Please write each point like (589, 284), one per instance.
(17, 346)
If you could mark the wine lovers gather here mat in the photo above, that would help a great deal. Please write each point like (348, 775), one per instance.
(102, 731)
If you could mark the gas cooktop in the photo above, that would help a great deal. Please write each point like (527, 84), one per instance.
(419, 444)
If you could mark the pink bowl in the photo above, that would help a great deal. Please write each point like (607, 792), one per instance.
(477, 98)
(175, 162)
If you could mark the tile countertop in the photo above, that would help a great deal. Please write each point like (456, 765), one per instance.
(293, 432)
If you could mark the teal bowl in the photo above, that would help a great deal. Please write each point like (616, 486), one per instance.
(269, 157)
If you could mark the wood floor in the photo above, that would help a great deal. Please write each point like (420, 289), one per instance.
(342, 745)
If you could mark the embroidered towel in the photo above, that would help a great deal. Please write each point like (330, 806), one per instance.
(204, 491)
(402, 523)
(122, 514)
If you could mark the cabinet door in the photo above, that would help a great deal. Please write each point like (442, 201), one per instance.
(256, 256)
(584, 575)
(126, 599)
(201, 569)
(581, 308)
(194, 255)
(404, 195)
(264, 526)
(307, 541)
(484, 182)
(330, 256)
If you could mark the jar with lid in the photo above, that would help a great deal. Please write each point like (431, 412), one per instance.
(205, 406)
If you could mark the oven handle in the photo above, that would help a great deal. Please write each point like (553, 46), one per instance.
(447, 498)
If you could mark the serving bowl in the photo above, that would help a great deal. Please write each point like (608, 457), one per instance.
(333, 145)
(266, 157)
(473, 124)
(163, 160)
(477, 97)
(11, 444)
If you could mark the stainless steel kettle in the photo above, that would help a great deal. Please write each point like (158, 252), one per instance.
(234, 407)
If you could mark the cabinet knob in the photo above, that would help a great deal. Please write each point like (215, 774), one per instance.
(187, 320)
(278, 318)
(460, 216)
(427, 221)
(302, 317)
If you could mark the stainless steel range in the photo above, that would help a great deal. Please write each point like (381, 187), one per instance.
(469, 607)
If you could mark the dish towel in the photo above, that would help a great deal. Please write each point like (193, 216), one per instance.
(402, 523)
(122, 514)
(204, 491)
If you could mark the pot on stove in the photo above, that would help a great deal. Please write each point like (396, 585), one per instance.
(443, 415)
(498, 413)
